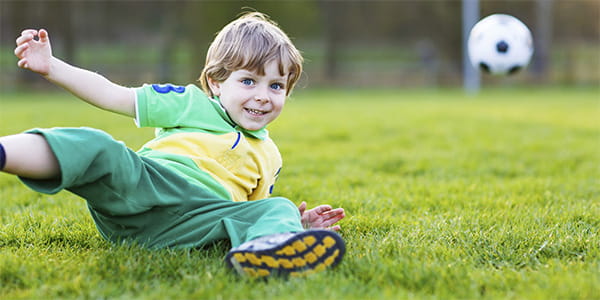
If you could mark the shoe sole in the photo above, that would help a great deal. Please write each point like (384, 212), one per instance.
(303, 254)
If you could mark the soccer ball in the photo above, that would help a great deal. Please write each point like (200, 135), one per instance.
(500, 44)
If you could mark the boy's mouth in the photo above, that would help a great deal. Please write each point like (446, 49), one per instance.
(255, 112)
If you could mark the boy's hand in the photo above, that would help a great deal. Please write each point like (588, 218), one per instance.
(322, 216)
(34, 54)
(93, 88)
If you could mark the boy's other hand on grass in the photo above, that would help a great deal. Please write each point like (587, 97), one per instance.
(321, 217)
(34, 54)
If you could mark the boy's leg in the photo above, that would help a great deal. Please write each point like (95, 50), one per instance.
(200, 219)
(28, 155)
(267, 236)
(134, 198)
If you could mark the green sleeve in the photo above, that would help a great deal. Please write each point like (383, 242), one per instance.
(165, 106)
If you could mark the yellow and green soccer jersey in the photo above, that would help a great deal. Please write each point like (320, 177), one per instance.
(196, 138)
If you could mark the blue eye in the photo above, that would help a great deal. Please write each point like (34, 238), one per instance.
(277, 86)
(247, 81)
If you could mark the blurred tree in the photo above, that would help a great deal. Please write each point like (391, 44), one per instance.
(542, 38)
(333, 34)
(61, 15)
(168, 35)
(55, 16)
(201, 22)
(169, 38)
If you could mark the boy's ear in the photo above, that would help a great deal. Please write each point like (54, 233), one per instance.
(214, 86)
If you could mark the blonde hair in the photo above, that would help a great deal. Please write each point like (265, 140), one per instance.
(249, 43)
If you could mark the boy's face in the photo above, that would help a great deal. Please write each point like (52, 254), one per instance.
(252, 101)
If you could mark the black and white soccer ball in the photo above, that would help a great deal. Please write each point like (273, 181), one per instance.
(500, 44)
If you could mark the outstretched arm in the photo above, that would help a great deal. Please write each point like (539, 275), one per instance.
(36, 55)
(322, 216)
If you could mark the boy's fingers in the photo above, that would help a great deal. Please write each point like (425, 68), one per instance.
(20, 49)
(322, 209)
(334, 212)
(29, 32)
(22, 63)
(332, 217)
(43, 36)
(335, 219)
(24, 39)
(302, 207)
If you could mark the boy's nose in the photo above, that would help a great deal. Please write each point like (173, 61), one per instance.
(262, 95)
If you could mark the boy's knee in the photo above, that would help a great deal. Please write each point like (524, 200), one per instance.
(81, 137)
(91, 135)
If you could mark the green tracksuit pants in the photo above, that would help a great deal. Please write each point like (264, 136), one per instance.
(133, 198)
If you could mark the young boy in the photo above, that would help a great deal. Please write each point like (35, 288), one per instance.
(193, 183)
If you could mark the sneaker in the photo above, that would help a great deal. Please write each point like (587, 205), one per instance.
(294, 254)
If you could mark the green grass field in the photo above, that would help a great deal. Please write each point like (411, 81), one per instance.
(495, 196)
